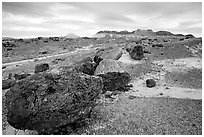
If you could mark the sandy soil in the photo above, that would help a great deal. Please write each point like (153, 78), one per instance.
(164, 88)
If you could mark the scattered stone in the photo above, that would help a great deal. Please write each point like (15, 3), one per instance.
(8, 49)
(21, 76)
(35, 59)
(48, 104)
(8, 44)
(147, 51)
(150, 83)
(137, 53)
(54, 62)
(43, 52)
(41, 67)
(157, 45)
(131, 97)
(167, 88)
(115, 81)
(161, 94)
(128, 49)
(108, 94)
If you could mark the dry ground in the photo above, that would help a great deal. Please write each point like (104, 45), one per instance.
(141, 110)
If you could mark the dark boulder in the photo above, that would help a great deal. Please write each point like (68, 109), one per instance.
(115, 81)
(137, 52)
(97, 59)
(41, 67)
(47, 103)
(150, 83)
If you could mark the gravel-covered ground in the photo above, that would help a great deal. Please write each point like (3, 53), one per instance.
(147, 116)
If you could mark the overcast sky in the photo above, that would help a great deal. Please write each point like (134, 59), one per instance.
(85, 19)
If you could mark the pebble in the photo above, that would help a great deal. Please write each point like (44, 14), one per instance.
(131, 97)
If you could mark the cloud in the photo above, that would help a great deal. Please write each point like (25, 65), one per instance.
(86, 18)
(27, 8)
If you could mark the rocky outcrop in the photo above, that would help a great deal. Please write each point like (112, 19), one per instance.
(41, 67)
(47, 103)
(109, 53)
(109, 65)
(137, 52)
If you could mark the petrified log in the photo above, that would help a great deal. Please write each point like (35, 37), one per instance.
(46, 102)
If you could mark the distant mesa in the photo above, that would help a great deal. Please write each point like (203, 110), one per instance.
(137, 32)
(140, 32)
(72, 36)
